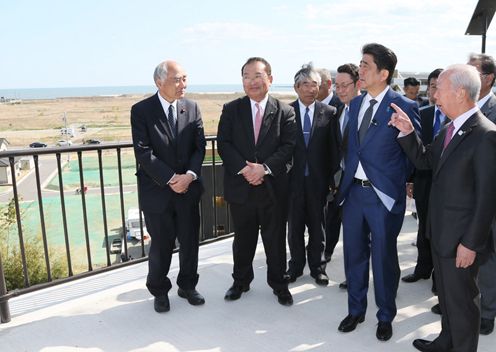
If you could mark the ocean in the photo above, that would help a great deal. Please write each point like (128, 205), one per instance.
(53, 93)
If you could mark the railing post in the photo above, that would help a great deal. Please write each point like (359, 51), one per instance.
(4, 304)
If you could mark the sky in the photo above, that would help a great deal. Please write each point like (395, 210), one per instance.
(47, 44)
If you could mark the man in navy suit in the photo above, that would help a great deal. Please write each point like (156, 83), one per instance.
(431, 120)
(486, 66)
(326, 94)
(169, 146)
(372, 191)
(315, 159)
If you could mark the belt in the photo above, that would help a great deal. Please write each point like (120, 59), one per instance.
(363, 183)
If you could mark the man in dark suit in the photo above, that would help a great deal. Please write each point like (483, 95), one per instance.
(411, 87)
(315, 159)
(169, 146)
(347, 87)
(486, 67)
(372, 192)
(256, 138)
(326, 94)
(461, 203)
(431, 121)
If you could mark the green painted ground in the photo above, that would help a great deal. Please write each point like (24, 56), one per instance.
(70, 174)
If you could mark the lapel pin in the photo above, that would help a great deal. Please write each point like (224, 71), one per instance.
(460, 133)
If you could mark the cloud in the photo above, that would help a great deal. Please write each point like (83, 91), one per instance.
(226, 31)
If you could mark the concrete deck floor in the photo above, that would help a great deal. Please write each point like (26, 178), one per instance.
(114, 312)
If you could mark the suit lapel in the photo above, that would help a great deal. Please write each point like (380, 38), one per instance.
(298, 121)
(182, 117)
(457, 138)
(317, 117)
(355, 106)
(162, 118)
(247, 119)
(269, 114)
(381, 116)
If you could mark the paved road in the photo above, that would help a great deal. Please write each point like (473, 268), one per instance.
(26, 188)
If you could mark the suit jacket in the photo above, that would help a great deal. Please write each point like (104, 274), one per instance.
(382, 158)
(335, 101)
(461, 203)
(275, 144)
(489, 108)
(160, 155)
(423, 178)
(321, 155)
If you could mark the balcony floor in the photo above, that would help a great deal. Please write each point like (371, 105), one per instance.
(113, 311)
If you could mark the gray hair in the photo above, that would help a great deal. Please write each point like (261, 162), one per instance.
(160, 72)
(325, 74)
(307, 72)
(466, 77)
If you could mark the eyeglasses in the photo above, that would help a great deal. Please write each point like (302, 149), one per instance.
(343, 85)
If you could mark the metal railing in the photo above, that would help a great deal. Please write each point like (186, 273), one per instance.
(214, 214)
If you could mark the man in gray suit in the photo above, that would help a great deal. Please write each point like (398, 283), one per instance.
(486, 66)
(461, 203)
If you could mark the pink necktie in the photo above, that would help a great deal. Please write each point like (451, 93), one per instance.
(449, 135)
(258, 121)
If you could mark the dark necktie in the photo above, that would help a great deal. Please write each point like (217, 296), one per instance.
(170, 119)
(437, 123)
(346, 117)
(449, 135)
(307, 127)
(366, 120)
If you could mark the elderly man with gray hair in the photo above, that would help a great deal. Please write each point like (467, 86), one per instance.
(461, 202)
(315, 159)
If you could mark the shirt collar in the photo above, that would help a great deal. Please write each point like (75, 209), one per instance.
(327, 99)
(166, 104)
(378, 98)
(460, 120)
(311, 107)
(482, 101)
(262, 103)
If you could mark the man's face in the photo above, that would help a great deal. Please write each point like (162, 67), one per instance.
(324, 89)
(431, 90)
(307, 91)
(370, 77)
(445, 97)
(346, 89)
(256, 82)
(411, 92)
(486, 79)
(174, 85)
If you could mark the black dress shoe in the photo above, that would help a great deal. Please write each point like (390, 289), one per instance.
(235, 292)
(436, 309)
(291, 277)
(284, 297)
(424, 345)
(193, 296)
(321, 279)
(384, 331)
(350, 322)
(487, 326)
(161, 304)
(343, 285)
(414, 277)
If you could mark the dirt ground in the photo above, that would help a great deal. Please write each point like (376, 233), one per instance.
(106, 118)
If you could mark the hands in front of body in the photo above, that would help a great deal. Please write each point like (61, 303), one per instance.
(253, 173)
(409, 190)
(464, 256)
(400, 120)
(180, 183)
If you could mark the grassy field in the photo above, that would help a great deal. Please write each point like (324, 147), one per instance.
(106, 118)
